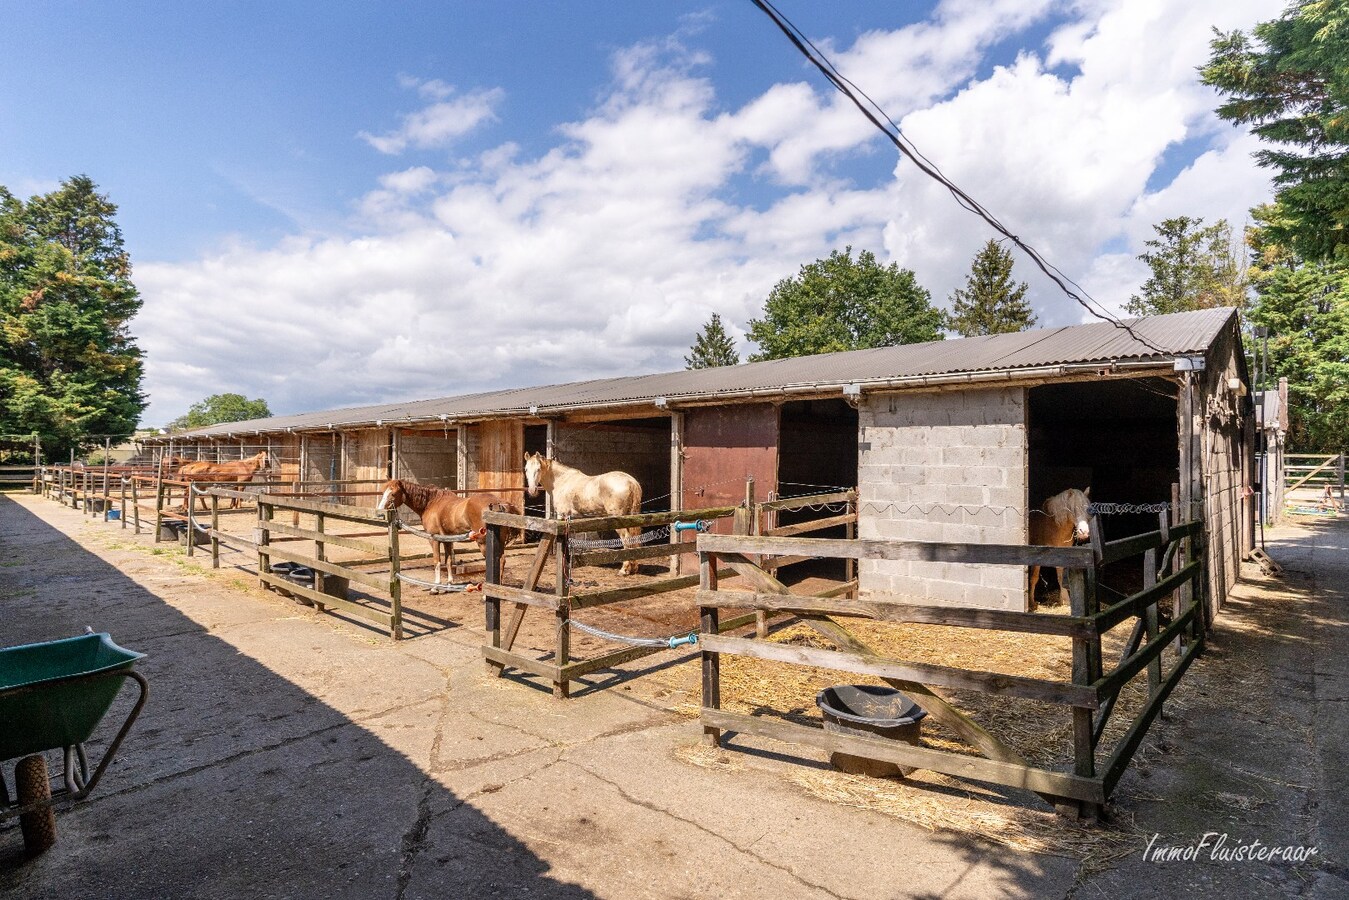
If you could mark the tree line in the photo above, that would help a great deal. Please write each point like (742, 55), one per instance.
(1288, 273)
(71, 373)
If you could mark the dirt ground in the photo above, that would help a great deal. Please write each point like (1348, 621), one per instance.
(290, 754)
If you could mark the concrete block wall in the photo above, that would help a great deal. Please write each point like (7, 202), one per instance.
(944, 466)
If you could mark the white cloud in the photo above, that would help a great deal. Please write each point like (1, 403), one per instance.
(605, 254)
(440, 123)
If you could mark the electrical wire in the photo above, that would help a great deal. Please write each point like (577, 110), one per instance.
(875, 114)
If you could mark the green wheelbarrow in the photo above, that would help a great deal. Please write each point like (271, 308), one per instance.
(53, 696)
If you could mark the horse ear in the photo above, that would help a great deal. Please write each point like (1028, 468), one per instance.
(1087, 492)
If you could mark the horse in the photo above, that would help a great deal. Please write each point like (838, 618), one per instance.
(1061, 521)
(239, 470)
(575, 493)
(445, 512)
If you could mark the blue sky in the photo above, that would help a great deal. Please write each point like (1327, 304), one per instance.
(388, 201)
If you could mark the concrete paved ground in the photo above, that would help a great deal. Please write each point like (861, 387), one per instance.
(286, 755)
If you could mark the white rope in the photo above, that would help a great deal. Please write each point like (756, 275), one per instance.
(432, 586)
(666, 643)
(443, 538)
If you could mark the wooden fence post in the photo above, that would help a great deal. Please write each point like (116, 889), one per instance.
(711, 662)
(159, 504)
(752, 528)
(395, 583)
(562, 562)
(1150, 624)
(1086, 662)
(492, 605)
(265, 512)
(215, 528)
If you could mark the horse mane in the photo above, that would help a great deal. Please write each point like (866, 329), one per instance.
(417, 496)
(1058, 508)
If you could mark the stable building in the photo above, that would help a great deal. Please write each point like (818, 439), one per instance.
(953, 441)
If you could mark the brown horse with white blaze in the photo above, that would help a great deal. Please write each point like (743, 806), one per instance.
(575, 493)
(1061, 521)
(444, 512)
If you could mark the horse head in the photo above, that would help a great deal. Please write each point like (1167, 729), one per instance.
(538, 473)
(390, 496)
(1076, 508)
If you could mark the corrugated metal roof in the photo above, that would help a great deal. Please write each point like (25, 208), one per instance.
(1178, 334)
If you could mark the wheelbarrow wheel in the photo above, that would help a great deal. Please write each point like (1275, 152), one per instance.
(32, 785)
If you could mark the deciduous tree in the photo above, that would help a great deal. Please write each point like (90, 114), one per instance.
(219, 408)
(844, 304)
(69, 368)
(1193, 267)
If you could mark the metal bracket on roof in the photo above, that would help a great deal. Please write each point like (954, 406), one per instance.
(1189, 364)
(852, 394)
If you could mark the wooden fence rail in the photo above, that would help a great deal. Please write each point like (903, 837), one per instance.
(555, 549)
(1172, 561)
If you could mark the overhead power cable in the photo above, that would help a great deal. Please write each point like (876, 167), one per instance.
(878, 117)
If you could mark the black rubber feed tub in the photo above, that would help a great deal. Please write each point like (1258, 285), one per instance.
(871, 711)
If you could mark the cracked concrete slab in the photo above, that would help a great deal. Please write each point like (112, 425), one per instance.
(286, 754)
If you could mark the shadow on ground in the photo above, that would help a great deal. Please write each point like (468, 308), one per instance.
(234, 782)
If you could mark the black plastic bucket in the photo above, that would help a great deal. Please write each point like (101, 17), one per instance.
(871, 711)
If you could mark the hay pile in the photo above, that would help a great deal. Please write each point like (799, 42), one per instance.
(1042, 732)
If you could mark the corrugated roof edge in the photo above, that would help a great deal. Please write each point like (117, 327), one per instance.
(1094, 343)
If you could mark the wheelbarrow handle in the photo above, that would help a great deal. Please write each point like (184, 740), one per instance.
(69, 795)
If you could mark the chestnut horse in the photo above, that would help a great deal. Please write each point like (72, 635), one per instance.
(575, 493)
(444, 512)
(239, 470)
(1061, 521)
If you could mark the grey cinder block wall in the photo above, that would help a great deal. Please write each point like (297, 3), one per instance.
(944, 466)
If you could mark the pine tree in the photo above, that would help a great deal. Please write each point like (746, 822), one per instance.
(1288, 81)
(713, 347)
(990, 303)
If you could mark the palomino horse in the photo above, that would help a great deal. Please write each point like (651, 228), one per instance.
(445, 512)
(239, 470)
(1060, 522)
(575, 493)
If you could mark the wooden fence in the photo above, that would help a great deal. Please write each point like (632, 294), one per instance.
(1314, 470)
(1172, 561)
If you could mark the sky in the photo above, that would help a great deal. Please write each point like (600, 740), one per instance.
(336, 204)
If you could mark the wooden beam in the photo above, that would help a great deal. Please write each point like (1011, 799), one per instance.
(791, 503)
(1134, 605)
(1124, 751)
(600, 557)
(936, 705)
(838, 548)
(904, 670)
(814, 525)
(888, 611)
(503, 658)
(617, 595)
(1042, 781)
(1111, 684)
(521, 596)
